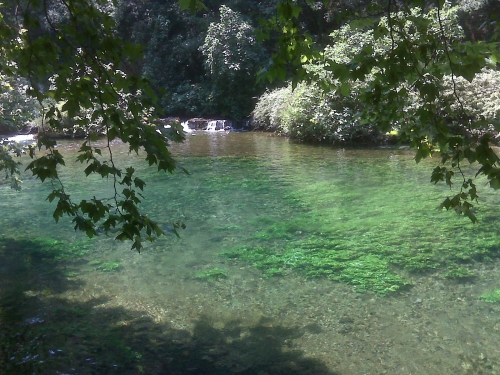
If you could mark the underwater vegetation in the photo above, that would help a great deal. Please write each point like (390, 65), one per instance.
(491, 296)
(211, 274)
(44, 249)
(459, 273)
(104, 266)
(347, 235)
(284, 226)
(369, 220)
(47, 248)
(366, 262)
(367, 272)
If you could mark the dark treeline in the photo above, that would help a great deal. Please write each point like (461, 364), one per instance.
(177, 64)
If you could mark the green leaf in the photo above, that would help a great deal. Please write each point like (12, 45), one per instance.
(192, 5)
(345, 89)
(139, 183)
(72, 107)
(495, 183)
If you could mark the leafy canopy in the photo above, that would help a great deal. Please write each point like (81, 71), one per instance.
(74, 57)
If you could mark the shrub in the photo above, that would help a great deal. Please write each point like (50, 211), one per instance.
(269, 109)
(479, 98)
(309, 114)
(16, 108)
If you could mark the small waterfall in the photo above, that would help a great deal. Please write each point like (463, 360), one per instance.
(185, 127)
(216, 125)
(22, 138)
(212, 126)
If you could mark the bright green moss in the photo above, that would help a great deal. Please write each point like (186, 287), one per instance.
(211, 274)
(459, 273)
(491, 296)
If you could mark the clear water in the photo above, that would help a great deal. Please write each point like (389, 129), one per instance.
(330, 261)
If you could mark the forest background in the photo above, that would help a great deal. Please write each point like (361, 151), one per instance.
(208, 63)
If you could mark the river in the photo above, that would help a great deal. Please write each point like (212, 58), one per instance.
(295, 259)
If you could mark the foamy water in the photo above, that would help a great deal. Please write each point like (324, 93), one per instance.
(21, 138)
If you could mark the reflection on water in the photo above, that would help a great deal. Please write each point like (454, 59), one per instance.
(288, 253)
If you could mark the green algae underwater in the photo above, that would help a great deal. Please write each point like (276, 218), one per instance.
(259, 210)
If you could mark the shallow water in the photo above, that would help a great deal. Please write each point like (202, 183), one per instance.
(330, 261)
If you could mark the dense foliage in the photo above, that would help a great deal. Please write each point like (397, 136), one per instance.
(180, 49)
(308, 114)
(329, 110)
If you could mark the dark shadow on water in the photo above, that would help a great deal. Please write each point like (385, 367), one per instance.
(44, 334)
